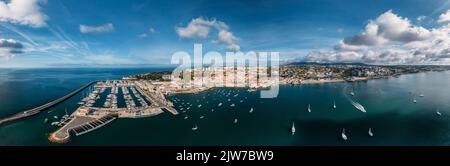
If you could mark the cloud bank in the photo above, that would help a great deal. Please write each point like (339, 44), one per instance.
(391, 39)
(201, 28)
(24, 12)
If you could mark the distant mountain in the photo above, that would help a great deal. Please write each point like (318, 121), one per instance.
(326, 63)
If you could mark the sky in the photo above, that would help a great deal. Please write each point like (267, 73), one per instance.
(58, 33)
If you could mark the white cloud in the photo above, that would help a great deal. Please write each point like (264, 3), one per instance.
(10, 47)
(388, 27)
(390, 39)
(24, 12)
(444, 17)
(97, 29)
(421, 18)
(146, 34)
(200, 28)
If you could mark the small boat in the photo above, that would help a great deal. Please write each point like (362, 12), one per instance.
(438, 112)
(251, 110)
(45, 120)
(232, 105)
(220, 104)
(186, 117)
(199, 105)
(229, 99)
(241, 101)
(194, 128)
(54, 123)
(65, 116)
(201, 117)
(334, 104)
(309, 108)
(56, 117)
(344, 137)
(370, 132)
(212, 110)
(414, 101)
(235, 121)
(358, 106)
(352, 93)
(421, 95)
(293, 128)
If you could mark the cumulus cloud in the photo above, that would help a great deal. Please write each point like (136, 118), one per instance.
(201, 28)
(10, 47)
(390, 39)
(97, 29)
(388, 27)
(444, 17)
(24, 12)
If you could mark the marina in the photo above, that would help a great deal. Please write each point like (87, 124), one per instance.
(123, 99)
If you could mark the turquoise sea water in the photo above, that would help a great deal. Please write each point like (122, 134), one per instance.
(393, 117)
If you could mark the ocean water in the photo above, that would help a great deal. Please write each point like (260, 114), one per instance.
(391, 113)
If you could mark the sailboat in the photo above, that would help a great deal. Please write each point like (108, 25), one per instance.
(232, 105)
(421, 95)
(220, 104)
(352, 93)
(201, 117)
(45, 120)
(438, 112)
(185, 117)
(293, 128)
(334, 104)
(195, 127)
(199, 105)
(212, 110)
(309, 108)
(344, 137)
(251, 110)
(66, 115)
(235, 121)
(370, 132)
(414, 100)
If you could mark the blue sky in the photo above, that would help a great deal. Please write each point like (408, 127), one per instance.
(100, 32)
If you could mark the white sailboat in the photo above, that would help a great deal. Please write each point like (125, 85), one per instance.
(251, 110)
(186, 117)
(220, 104)
(195, 127)
(201, 117)
(438, 112)
(370, 132)
(199, 105)
(414, 100)
(344, 137)
(293, 128)
(309, 108)
(352, 93)
(421, 95)
(334, 104)
(235, 121)
(232, 105)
